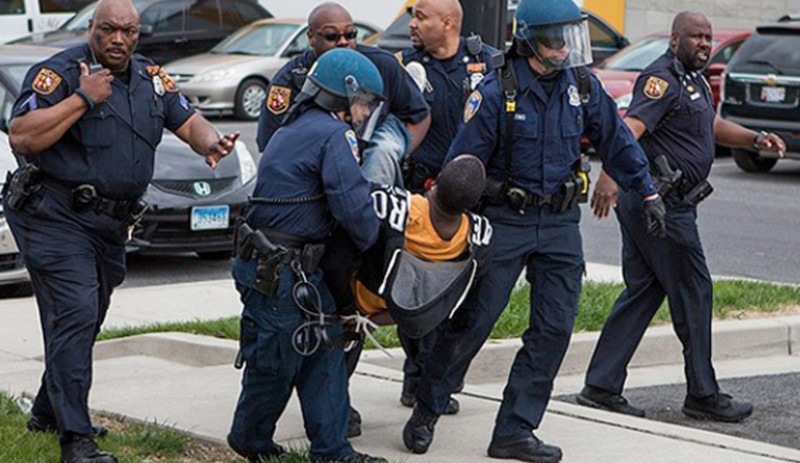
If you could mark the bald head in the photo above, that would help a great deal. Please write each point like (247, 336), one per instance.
(329, 26)
(690, 40)
(110, 7)
(326, 13)
(113, 33)
(436, 26)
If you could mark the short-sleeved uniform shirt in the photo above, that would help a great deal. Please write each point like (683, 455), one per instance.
(310, 176)
(450, 81)
(421, 240)
(112, 146)
(403, 98)
(677, 108)
(547, 133)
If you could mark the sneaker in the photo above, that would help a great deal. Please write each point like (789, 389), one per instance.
(354, 424)
(717, 407)
(255, 457)
(354, 457)
(530, 449)
(418, 431)
(42, 424)
(597, 398)
(82, 449)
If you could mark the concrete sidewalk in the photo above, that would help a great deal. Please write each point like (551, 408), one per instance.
(188, 381)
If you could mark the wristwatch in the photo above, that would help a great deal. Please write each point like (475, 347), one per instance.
(759, 136)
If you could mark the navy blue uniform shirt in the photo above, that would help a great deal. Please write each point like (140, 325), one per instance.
(311, 165)
(450, 81)
(112, 146)
(678, 110)
(404, 99)
(547, 133)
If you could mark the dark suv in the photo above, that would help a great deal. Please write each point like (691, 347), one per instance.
(761, 90)
(171, 29)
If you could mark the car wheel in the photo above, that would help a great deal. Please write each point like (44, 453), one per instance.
(249, 99)
(749, 161)
(214, 255)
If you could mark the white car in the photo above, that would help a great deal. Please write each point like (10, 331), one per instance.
(14, 280)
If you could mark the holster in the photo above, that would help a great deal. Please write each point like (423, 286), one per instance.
(699, 192)
(21, 185)
(494, 194)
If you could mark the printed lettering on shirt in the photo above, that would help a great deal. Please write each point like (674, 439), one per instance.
(391, 208)
(481, 231)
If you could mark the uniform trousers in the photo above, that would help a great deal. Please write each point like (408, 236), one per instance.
(75, 260)
(654, 268)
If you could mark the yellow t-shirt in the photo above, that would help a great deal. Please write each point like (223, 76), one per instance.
(423, 242)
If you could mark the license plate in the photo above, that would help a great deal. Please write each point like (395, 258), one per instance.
(773, 94)
(210, 217)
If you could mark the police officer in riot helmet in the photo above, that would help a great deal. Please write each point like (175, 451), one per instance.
(85, 128)
(308, 182)
(525, 123)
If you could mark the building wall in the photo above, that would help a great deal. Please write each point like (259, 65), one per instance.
(646, 16)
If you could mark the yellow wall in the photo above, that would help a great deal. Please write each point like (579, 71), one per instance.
(612, 11)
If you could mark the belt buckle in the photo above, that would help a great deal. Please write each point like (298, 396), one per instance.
(84, 195)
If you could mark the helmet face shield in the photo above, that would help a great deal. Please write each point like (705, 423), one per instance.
(362, 103)
(558, 46)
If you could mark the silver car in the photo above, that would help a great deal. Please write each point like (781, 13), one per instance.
(13, 276)
(234, 75)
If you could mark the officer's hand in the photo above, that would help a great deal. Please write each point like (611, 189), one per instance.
(771, 142)
(97, 85)
(221, 148)
(655, 216)
(604, 196)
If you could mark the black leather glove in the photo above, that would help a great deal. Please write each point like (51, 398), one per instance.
(655, 214)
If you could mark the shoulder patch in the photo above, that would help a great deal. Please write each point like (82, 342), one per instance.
(278, 99)
(655, 88)
(46, 81)
(153, 69)
(473, 105)
(166, 81)
(399, 56)
(352, 140)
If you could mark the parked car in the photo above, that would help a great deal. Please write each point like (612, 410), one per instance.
(14, 279)
(234, 75)
(171, 29)
(761, 91)
(605, 39)
(19, 18)
(620, 71)
(192, 208)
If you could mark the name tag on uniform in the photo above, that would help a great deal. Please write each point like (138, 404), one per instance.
(694, 96)
(158, 86)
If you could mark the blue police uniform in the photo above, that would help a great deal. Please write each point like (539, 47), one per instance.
(677, 110)
(404, 99)
(310, 175)
(76, 258)
(549, 121)
(450, 81)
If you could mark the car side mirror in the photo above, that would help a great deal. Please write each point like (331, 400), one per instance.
(146, 30)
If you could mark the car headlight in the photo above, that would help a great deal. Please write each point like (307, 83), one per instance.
(247, 166)
(624, 102)
(214, 76)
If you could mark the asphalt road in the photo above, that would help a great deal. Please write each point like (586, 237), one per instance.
(776, 407)
(749, 227)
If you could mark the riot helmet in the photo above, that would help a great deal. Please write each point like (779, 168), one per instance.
(556, 32)
(343, 78)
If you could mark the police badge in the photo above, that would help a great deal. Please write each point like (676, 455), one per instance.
(278, 99)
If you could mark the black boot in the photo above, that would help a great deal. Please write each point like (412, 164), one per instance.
(717, 407)
(254, 457)
(82, 449)
(418, 431)
(598, 398)
(354, 424)
(43, 424)
(531, 449)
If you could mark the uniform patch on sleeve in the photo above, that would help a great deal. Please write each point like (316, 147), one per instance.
(46, 81)
(399, 56)
(153, 69)
(473, 105)
(278, 99)
(167, 82)
(655, 88)
(352, 140)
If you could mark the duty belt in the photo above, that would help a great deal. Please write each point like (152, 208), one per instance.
(84, 197)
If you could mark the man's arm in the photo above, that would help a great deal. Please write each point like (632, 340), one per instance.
(35, 131)
(733, 135)
(418, 132)
(204, 139)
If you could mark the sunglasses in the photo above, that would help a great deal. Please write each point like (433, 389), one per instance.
(335, 36)
(553, 43)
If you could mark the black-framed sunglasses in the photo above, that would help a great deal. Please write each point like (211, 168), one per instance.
(335, 36)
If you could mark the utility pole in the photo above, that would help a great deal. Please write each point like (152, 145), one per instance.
(486, 18)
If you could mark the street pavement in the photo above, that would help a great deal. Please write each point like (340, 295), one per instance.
(187, 381)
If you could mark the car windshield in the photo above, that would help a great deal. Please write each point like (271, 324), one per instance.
(777, 53)
(79, 22)
(17, 72)
(262, 40)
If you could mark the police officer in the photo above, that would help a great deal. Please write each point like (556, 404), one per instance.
(527, 130)
(672, 116)
(308, 181)
(403, 120)
(86, 125)
(454, 66)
